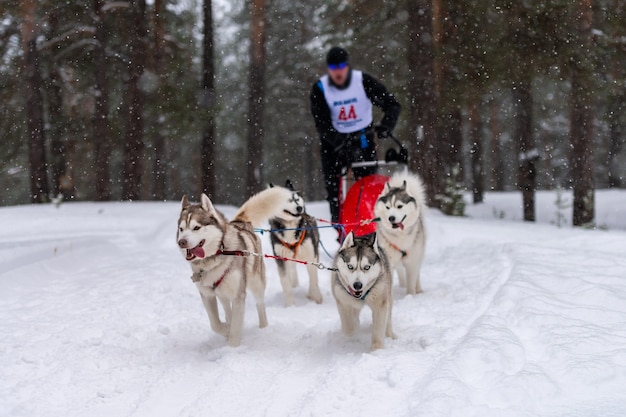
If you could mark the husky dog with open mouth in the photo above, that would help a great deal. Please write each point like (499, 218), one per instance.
(362, 277)
(219, 251)
(400, 231)
(294, 235)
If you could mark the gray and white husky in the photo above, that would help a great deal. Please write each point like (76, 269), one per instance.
(362, 277)
(213, 246)
(400, 231)
(295, 235)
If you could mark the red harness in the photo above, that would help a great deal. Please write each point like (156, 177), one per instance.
(219, 281)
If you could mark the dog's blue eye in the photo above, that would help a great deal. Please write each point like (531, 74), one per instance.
(350, 267)
(366, 267)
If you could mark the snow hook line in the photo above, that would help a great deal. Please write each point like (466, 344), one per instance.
(318, 265)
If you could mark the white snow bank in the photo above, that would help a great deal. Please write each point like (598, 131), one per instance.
(100, 318)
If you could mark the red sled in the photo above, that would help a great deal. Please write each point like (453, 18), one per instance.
(357, 208)
(357, 201)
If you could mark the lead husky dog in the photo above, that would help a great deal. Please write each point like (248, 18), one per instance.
(362, 276)
(206, 240)
(400, 231)
(295, 235)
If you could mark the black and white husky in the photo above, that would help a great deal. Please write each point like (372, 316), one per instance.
(400, 231)
(362, 277)
(295, 235)
(219, 251)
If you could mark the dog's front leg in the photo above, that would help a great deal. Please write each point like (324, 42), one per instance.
(314, 288)
(228, 312)
(389, 331)
(210, 305)
(236, 323)
(413, 279)
(380, 317)
(401, 271)
(285, 282)
(349, 318)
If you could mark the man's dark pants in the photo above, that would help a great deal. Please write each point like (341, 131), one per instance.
(335, 163)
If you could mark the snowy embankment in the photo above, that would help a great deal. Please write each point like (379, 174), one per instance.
(100, 318)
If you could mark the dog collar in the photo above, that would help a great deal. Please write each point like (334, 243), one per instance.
(197, 277)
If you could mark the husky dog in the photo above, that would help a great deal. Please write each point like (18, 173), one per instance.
(295, 235)
(206, 240)
(400, 231)
(362, 276)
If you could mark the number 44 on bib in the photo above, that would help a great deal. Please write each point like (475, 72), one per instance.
(351, 115)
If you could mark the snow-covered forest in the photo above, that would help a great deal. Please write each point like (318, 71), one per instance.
(108, 100)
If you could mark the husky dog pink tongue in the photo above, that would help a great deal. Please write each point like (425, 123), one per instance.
(197, 251)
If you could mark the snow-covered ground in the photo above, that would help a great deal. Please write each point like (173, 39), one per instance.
(99, 317)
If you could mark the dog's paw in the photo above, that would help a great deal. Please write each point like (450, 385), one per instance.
(376, 345)
(392, 335)
(348, 331)
(234, 341)
(222, 329)
(315, 296)
(290, 301)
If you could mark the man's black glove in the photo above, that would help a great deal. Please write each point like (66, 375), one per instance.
(382, 131)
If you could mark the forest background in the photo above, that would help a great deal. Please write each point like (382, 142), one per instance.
(150, 100)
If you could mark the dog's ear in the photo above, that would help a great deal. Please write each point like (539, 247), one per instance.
(348, 242)
(387, 188)
(289, 185)
(375, 245)
(403, 188)
(184, 202)
(206, 203)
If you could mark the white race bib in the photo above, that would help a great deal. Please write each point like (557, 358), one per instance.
(350, 109)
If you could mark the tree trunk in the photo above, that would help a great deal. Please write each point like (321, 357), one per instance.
(101, 127)
(497, 163)
(256, 96)
(58, 136)
(134, 97)
(207, 156)
(616, 109)
(527, 153)
(159, 162)
(424, 104)
(581, 120)
(478, 175)
(39, 186)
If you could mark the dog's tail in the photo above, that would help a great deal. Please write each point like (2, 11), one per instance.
(263, 206)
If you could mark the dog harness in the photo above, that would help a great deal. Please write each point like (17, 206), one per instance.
(293, 246)
(197, 277)
(402, 251)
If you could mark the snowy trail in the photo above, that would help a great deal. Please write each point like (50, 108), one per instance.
(99, 318)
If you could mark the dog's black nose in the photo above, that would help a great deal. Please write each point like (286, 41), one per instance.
(392, 219)
(299, 209)
(357, 285)
(182, 243)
